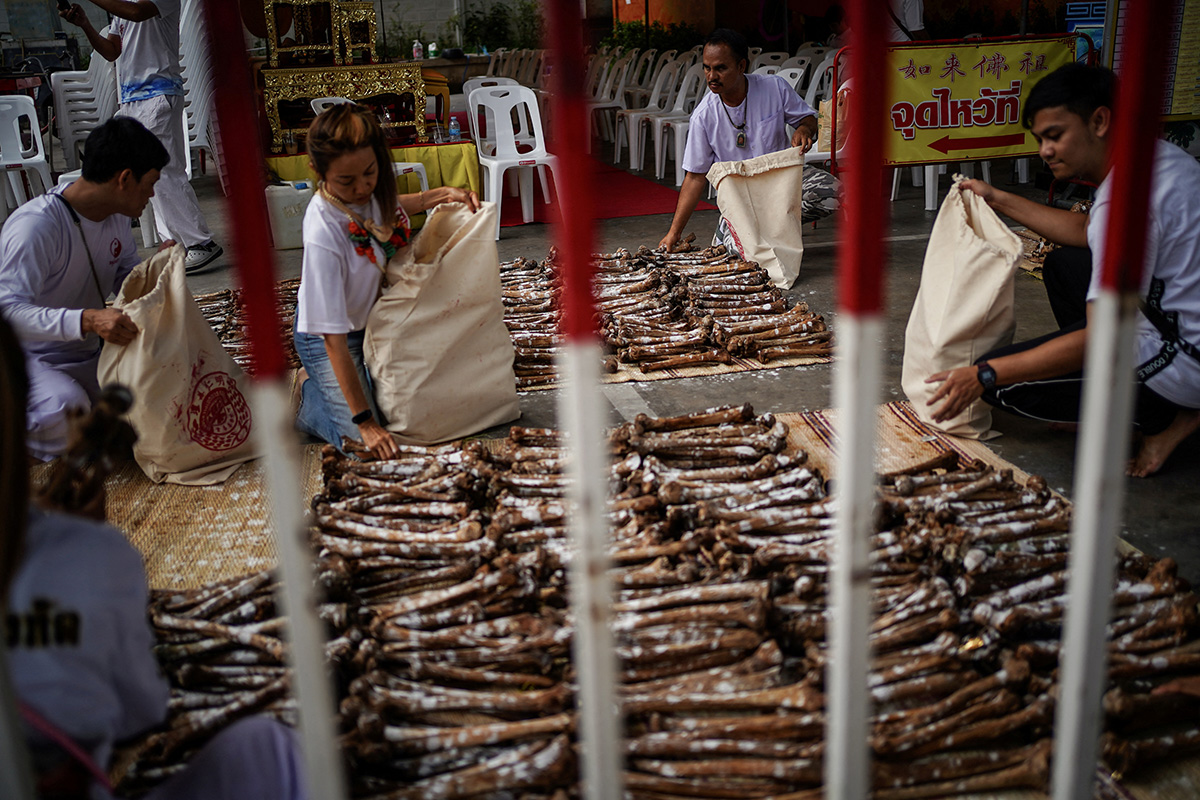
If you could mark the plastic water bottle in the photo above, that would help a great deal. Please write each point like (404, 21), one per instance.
(418, 50)
(455, 132)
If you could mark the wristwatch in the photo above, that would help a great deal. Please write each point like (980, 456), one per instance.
(986, 375)
(362, 416)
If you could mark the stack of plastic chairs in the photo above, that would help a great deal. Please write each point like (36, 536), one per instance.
(198, 87)
(82, 100)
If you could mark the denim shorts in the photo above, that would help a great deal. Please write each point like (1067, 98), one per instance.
(324, 412)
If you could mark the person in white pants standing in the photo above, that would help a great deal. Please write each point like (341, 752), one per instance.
(144, 41)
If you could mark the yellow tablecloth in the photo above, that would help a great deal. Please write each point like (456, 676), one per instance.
(452, 164)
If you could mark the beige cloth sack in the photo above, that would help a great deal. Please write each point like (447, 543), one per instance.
(760, 200)
(964, 306)
(436, 344)
(191, 409)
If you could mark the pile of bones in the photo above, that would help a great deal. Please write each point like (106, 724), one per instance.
(661, 311)
(450, 628)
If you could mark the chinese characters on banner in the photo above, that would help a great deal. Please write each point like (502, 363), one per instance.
(958, 101)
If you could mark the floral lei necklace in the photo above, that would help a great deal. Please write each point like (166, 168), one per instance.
(363, 230)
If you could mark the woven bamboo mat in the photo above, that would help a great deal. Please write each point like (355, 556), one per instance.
(903, 441)
(193, 535)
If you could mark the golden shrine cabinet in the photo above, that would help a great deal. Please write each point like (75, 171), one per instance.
(311, 47)
(319, 31)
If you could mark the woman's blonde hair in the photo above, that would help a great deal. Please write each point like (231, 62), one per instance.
(345, 128)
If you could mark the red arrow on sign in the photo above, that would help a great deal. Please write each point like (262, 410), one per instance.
(946, 144)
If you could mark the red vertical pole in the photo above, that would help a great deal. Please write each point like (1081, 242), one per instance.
(856, 391)
(273, 424)
(574, 176)
(1108, 404)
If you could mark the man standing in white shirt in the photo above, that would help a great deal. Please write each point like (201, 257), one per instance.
(907, 20)
(144, 41)
(743, 116)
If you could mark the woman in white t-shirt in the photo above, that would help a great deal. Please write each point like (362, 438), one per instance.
(348, 239)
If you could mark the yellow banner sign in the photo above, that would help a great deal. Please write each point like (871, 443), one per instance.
(960, 100)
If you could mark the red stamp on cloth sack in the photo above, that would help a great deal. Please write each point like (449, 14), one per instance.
(217, 415)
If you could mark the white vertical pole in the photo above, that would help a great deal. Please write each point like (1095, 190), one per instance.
(273, 424)
(1100, 499)
(855, 388)
(582, 411)
(16, 778)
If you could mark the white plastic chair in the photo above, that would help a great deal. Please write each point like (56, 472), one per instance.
(793, 75)
(772, 58)
(493, 69)
(501, 104)
(21, 147)
(641, 74)
(800, 62)
(632, 121)
(610, 99)
(319, 104)
(685, 100)
(679, 131)
(638, 95)
(593, 79)
(410, 167)
(532, 68)
(690, 57)
(816, 52)
(516, 65)
(766, 69)
(820, 81)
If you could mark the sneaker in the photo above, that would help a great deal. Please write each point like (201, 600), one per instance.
(201, 255)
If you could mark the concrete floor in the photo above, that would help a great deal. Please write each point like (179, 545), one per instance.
(1160, 516)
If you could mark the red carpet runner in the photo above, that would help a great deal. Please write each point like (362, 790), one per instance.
(621, 194)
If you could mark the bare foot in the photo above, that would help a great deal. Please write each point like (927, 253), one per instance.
(1155, 449)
